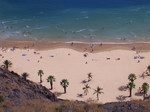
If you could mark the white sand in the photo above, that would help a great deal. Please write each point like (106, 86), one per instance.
(108, 74)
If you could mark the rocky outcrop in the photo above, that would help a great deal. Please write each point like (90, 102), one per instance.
(16, 89)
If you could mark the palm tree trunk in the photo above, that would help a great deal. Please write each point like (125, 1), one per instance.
(40, 79)
(144, 96)
(51, 85)
(97, 96)
(64, 89)
(6, 65)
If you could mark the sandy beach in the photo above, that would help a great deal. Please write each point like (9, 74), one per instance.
(110, 65)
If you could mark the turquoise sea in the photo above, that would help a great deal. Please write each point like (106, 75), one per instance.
(75, 20)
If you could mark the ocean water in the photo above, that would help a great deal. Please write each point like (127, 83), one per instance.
(75, 20)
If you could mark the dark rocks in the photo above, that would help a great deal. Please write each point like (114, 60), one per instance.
(15, 88)
(1, 99)
(124, 107)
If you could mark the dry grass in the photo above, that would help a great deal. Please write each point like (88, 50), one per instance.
(45, 106)
(36, 106)
(61, 106)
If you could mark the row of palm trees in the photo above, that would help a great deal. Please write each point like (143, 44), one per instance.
(64, 82)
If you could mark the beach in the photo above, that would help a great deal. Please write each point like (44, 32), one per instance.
(109, 63)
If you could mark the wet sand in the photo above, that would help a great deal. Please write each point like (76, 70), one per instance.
(79, 46)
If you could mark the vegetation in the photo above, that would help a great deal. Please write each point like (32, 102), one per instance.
(40, 73)
(132, 77)
(131, 86)
(45, 106)
(73, 106)
(69, 106)
(145, 88)
(25, 75)
(64, 83)
(148, 68)
(98, 91)
(90, 76)
(86, 89)
(51, 79)
(7, 64)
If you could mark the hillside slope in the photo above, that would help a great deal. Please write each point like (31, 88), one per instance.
(14, 88)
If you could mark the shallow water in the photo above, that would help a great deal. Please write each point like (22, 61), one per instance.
(86, 20)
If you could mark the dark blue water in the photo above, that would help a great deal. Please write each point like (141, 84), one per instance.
(86, 20)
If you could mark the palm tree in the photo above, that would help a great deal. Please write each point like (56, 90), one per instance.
(64, 83)
(98, 91)
(148, 68)
(86, 89)
(90, 76)
(131, 86)
(7, 64)
(132, 77)
(40, 73)
(145, 88)
(25, 75)
(51, 79)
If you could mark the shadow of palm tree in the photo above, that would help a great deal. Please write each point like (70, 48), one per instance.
(139, 92)
(143, 76)
(84, 81)
(121, 98)
(123, 88)
(80, 95)
(57, 94)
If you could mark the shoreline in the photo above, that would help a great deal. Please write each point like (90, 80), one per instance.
(80, 46)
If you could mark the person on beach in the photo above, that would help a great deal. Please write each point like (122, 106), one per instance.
(133, 48)
(100, 44)
(72, 43)
(85, 50)
(92, 50)
(92, 47)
